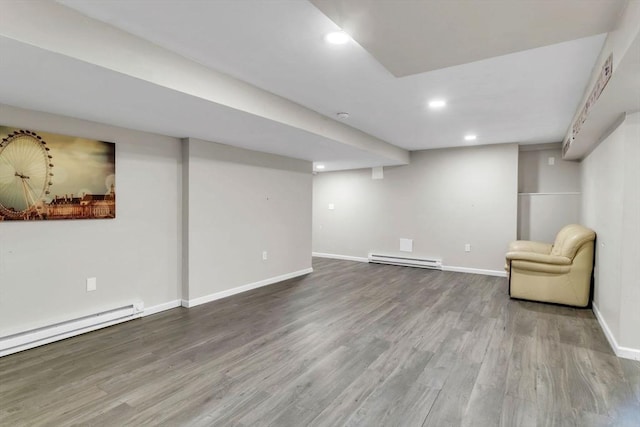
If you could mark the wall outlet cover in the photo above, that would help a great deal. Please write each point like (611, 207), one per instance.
(377, 173)
(406, 245)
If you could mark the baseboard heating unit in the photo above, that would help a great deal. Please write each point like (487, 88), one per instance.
(435, 264)
(59, 331)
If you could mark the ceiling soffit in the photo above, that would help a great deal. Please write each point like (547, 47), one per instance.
(411, 37)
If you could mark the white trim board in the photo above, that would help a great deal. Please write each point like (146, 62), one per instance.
(498, 273)
(624, 352)
(565, 193)
(237, 290)
(341, 257)
(29, 344)
(161, 307)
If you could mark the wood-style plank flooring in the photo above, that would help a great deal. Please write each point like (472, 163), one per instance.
(351, 344)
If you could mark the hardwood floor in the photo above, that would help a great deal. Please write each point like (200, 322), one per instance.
(352, 344)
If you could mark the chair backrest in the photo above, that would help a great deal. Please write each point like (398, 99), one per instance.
(570, 238)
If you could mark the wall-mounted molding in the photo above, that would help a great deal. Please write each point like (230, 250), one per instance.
(61, 331)
(341, 257)
(58, 331)
(624, 352)
(600, 83)
(26, 345)
(244, 288)
(161, 307)
(564, 193)
(484, 272)
(497, 273)
(617, 68)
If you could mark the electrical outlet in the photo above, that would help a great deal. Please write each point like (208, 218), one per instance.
(467, 247)
(552, 161)
(92, 284)
(264, 255)
(331, 206)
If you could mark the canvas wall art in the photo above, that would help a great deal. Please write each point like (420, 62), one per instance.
(46, 176)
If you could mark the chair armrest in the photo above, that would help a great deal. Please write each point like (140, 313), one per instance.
(539, 258)
(530, 246)
(538, 267)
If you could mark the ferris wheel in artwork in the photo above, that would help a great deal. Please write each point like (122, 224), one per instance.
(26, 174)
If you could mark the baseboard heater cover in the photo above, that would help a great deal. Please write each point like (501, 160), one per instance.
(59, 331)
(435, 264)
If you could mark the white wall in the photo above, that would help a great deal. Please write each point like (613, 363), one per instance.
(44, 265)
(442, 199)
(630, 293)
(611, 206)
(536, 175)
(548, 195)
(238, 203)
(241, 203)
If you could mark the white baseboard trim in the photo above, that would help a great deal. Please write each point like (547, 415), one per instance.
(498, 273)
(624, 352)
(26, 342)
(224, 294)
(342, 257)
(161, 307)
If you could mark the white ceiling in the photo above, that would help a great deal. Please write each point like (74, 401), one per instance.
(528, 96)
(442, 33)
(91, 92)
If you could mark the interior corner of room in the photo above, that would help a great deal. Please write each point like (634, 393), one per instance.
(200, 219)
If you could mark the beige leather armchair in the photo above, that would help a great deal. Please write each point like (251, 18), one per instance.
(558, 273)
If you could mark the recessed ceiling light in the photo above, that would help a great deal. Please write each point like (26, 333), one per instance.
(337, 37)
(319, 167)
(470, 137)
(437, 103)
(343, 115)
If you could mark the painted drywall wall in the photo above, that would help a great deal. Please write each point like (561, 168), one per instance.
(603, 191)
(241, 203)
(610, 206)
(541, 216)
(548, 195)
(630, 292)
(442, 200)
(536, 175)
(136, 256)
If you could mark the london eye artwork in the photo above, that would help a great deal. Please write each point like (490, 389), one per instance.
(46, 176)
